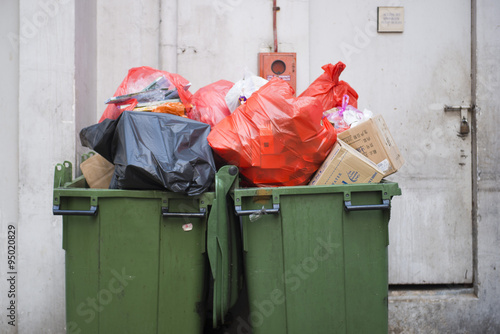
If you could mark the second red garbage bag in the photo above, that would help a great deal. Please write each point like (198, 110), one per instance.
(329, 89)
(209, 104)
(275, 138)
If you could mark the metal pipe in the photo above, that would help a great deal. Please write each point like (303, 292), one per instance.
(275, 30)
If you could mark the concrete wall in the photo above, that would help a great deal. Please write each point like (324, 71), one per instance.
(72, 55)
(46, 137)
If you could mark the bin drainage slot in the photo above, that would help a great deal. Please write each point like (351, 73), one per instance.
(274, 211)
(201, 214)
(58, 212)
(386, 205)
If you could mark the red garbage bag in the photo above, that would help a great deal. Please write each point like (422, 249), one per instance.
(330, 90)
(275, 139)
(209, 104)
(137, 79)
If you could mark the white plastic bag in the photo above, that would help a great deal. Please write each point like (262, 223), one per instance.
(242, 90)
(353, 116)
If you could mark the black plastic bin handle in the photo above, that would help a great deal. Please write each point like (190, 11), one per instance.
(386, 205)
(58, 212)
(201, 214)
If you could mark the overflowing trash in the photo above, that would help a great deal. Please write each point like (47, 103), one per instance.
(330, 90)
(209, 104)
(275, 139)
(145, 88)
(345, 165)
(154, 151)
(98, 171)
(243, 89)
(373, 139)
(346, 116)
(156, 134)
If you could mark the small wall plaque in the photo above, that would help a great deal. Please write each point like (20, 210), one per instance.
(390, 19)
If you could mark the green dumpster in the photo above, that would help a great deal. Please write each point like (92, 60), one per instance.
(316, 257)
(136, 260)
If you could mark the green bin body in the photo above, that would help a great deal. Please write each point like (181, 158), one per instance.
(316, 259)
(136, 260)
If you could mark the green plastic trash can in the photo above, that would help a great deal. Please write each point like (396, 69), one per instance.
(136, 260)
(315, 257)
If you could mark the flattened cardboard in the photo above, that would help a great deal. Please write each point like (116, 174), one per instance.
(345, 165)
(373, 139)
(97, 171)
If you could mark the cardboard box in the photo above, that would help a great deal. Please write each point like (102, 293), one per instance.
(373, 139)
(97, 171)
(345, 165)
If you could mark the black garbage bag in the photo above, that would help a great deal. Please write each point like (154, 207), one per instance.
(154, 151)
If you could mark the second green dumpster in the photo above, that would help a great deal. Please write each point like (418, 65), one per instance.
(316, 257)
